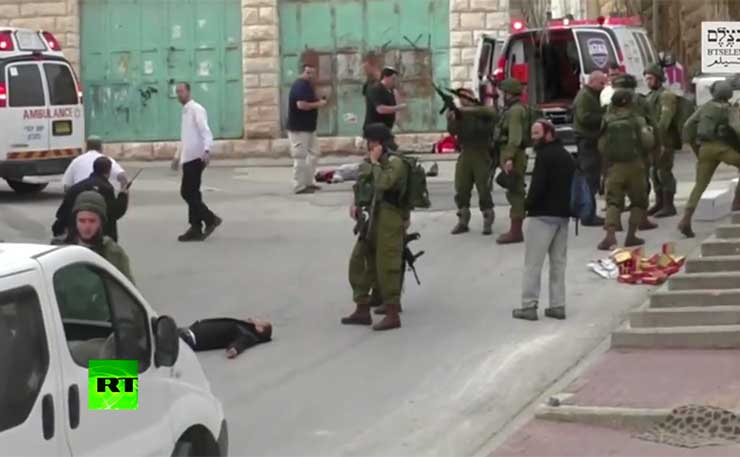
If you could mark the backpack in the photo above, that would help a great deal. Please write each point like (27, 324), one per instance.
(713, 122)
(684, 109)
(581, 199)
(622, 138)
(416, 193)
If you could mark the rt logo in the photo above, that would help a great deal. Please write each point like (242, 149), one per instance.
(113, 384)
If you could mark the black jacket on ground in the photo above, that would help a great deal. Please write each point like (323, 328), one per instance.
(224, 333)
(549, 190)
(116, 206)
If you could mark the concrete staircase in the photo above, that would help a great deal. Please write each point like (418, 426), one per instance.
(700, 307)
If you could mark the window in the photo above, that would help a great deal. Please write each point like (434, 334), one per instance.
(62, 87)
(643, 50)
(485, 57)
(24, 86)
(596, 50)
(102, 320)
(649, 51)
(24, 355)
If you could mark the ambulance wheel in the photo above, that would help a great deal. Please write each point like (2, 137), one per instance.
(25, 188)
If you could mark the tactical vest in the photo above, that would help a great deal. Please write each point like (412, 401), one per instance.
(621, 140)
(476, 128)
(714, 122)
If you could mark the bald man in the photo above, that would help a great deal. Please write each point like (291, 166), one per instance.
(587, 114)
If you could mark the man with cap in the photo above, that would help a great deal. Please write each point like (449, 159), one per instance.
(473, 127)
(710, 136)
(622, 141)
(380, 100)
(663, 104)
(82, 166)
(90, 215)
(510, 138)
(377, 257)
(98, 182)
(640, 107)
(587, 115)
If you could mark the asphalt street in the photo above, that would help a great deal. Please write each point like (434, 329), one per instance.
(456, 373)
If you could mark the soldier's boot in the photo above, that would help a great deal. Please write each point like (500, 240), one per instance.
(631, 239)
(736, 201)
(361, 316)
(514, 235)
(658, 204)
(527, 314)
(488, 217)
(684, 226)
(647, 224)
(391, 319)
(669, 209)
(463, 220)
(382, 310)
(609, 241)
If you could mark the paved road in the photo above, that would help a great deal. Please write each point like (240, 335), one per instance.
(458, 370)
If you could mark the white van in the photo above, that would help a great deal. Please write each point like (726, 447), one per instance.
(554, 61)
(61, 306)
(42, 121)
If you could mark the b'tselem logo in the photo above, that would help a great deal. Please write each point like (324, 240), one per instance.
(113, 384)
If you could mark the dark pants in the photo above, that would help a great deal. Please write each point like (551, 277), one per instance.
(589, 162)
(198, 212)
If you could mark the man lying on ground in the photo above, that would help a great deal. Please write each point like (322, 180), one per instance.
(234, 335)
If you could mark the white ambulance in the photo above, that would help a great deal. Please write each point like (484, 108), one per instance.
(553, 62)
(42, 121)
(62, 306)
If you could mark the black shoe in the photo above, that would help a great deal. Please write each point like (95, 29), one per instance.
(217, 221)
(528, 314)
(557, 312)
(314, 187)
(192, 234)
(594, 221)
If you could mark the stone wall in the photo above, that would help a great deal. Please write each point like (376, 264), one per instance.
(469, 19)
(60, 17)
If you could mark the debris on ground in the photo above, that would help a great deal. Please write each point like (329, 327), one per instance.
(630, 266)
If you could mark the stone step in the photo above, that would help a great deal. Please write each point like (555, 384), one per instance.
(714, 246)
(685, 317)
(735, 218)
(728, 231)
(699, 297)
(688, 281)
(715, 264)
(693, 337)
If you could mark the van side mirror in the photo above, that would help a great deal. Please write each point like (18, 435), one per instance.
(667, 59)
(167, 342)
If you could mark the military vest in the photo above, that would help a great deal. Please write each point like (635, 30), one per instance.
(622, 137)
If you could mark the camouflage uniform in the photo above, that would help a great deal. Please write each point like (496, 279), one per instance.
(587, 124)
(510, 138)
(474, 131)
(709, 134)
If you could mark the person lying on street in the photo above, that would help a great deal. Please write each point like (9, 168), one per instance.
(234, 335)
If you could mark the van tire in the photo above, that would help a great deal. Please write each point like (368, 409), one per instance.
(25, 188)
(196, 441)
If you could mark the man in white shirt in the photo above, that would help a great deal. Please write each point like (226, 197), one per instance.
(606, 94)
(82, 166)
(193, 156)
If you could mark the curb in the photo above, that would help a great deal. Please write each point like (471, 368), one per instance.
(611, 417)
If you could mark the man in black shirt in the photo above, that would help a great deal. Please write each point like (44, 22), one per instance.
(381, 100)
(234, 335)
(303, 113)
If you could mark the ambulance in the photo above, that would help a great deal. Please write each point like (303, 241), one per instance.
(553, 62)
(42, 121)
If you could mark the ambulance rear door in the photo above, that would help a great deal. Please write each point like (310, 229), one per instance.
(23, 119)
(66, 121)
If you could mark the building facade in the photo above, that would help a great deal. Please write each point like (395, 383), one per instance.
(240, 57)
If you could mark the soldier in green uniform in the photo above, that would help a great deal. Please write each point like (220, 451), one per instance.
(510, 136)
(664, 105)
(473, 126)
(710, 136)
(641, 107)
(377, 258)
(622, 144)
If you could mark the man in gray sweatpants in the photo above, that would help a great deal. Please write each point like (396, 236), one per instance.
(548, 212)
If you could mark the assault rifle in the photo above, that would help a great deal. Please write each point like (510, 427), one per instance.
(448, 99)
(409, 258)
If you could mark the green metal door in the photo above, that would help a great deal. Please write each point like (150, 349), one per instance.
(134, 52)
(337, 35)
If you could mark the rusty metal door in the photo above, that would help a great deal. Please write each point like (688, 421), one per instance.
(411, 35)
(134, 52)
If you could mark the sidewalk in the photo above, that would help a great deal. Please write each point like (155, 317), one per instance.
(654, 379)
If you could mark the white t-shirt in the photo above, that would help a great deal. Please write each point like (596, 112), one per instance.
(82, 167)
(195, 133)
(606, 96)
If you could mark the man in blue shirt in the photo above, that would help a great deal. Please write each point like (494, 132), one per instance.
(303, 113)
